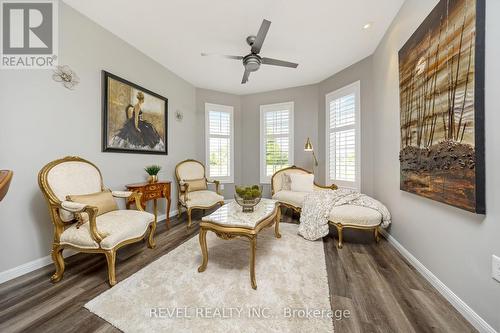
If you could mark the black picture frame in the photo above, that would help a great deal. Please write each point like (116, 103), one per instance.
(105, 76)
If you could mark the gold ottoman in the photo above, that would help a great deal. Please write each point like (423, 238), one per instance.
(355, 217)
(229, 222)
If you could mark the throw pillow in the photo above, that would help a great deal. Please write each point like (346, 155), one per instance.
(104, 202)
(285, 182)
(302, 182)
(196, 184)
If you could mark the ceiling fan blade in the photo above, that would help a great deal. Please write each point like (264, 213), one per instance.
(221, 55)
(276, 62)
(245, 77)
(261, 35)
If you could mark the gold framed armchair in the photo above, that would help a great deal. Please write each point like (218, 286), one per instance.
(82, 226)
(192, 188)
(281, 191)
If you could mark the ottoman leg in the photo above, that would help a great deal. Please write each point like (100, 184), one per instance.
(253, 248)
(204, 250)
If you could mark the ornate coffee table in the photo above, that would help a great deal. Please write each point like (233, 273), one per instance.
(229, 222)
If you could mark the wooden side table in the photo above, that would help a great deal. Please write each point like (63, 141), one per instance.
(152, 191)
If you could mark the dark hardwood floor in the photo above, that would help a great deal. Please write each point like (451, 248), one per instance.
(380, 289)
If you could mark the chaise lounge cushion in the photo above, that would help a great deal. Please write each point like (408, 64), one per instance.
(355, 215)
(290, 197)
(115, 227)
(204, 198)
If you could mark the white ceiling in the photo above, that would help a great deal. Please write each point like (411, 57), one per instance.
(323, 36)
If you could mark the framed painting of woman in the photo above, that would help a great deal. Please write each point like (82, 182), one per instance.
(134, 118)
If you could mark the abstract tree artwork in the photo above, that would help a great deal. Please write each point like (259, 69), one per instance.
(441, 79)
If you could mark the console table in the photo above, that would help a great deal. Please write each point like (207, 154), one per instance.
(152, 191)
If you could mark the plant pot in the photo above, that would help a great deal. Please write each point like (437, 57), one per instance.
(153, 178)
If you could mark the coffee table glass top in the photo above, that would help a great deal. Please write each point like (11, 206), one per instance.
(231, 214)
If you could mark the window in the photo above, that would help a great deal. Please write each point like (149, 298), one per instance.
(219, 133)
(343, 136)
(276, 139)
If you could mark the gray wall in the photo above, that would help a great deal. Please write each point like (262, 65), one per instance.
(360, 71)
(305, 100)
(41, 121)
(309, 121)
(210, 96)
(455, 245)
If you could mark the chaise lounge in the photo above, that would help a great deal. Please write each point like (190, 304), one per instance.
(341, 217)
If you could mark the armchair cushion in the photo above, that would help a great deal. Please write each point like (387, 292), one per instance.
(115, 226)
(102, 200)
(196, 184)
(202, 198)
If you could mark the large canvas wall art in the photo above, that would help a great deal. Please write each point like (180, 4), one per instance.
(441, 77)
(134, 118)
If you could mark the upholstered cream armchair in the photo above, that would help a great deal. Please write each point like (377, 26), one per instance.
(192, 185)
(281, 191)
(85, 215)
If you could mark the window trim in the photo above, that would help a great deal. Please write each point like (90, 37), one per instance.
(270, 108)
(219, 108)
(355, 88)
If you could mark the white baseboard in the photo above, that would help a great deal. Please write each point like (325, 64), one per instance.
(479, 323)
(47, 260)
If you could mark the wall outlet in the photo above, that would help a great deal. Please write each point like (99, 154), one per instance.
(495, 267)
(221, 186)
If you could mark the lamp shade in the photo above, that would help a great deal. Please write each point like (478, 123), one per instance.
(308, 146)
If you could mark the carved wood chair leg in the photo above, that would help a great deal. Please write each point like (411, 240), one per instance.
(111, 258)
(151, 237)
(58, 259)
(189, 218)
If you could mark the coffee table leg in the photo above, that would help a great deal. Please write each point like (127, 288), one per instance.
(204, 250)
(277, 224)
(253, 248)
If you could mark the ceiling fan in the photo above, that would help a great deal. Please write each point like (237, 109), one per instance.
(253, 60)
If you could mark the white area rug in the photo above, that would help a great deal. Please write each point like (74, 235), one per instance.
(169, 295)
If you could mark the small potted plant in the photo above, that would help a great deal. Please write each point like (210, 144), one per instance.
(152, 171)
(248, 197)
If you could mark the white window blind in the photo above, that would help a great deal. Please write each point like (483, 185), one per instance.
(219, 142)
(343, 133)
(276, 127)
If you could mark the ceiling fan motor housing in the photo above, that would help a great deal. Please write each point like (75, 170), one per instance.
(252, 62)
